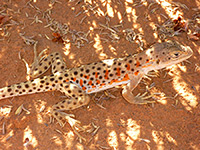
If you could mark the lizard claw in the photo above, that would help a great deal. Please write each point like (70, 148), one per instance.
(141, 99)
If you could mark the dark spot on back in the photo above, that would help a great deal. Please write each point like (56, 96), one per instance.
(51, 79)
(87, 71)
(9, 90)
(19, 86)
(26, 86)
(99, 68)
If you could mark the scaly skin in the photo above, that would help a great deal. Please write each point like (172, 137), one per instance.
(78, 83)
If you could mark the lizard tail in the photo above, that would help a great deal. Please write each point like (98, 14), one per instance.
(38, 85)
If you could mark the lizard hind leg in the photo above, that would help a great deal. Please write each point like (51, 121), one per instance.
(43, 62)
(77, 98)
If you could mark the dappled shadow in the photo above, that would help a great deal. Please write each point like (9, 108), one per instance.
(96, 30)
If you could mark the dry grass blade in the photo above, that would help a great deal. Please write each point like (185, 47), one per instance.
(60, 132)
(27, 40)
(3, 128)
(181, 5)
(168, 80)
(94, 132)
(27, 111)
(19, 110)
(109, 94)
(104, 26)
(197, 68)
(42, 109)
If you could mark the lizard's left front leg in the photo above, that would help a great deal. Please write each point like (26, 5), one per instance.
(128, 95)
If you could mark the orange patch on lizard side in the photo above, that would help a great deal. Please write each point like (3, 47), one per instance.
(97, 81)
(136, 73)
(81, 82)
(147, 61)
(146, 66)
(102, 84)
(128, 67)
(90, 90)
(118, 72)
(90, 82)
(84, 88)
(74, 79)
(96, 74)
(112, 81)
(137, 64)
(126, 77)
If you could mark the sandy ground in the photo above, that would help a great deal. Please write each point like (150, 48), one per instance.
(89, 31)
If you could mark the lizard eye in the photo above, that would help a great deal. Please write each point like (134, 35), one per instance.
(176, 54)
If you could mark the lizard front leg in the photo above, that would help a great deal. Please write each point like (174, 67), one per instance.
(128, 95)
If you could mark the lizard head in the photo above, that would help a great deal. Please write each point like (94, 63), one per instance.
(168, 53)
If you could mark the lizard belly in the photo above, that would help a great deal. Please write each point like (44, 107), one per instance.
(99, 88)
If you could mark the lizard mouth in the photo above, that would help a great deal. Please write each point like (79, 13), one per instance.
(189, 51)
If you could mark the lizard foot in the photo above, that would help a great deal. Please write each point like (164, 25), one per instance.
(75, 124)
(141, 99)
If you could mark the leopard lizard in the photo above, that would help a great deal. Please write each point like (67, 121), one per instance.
(79, 83)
